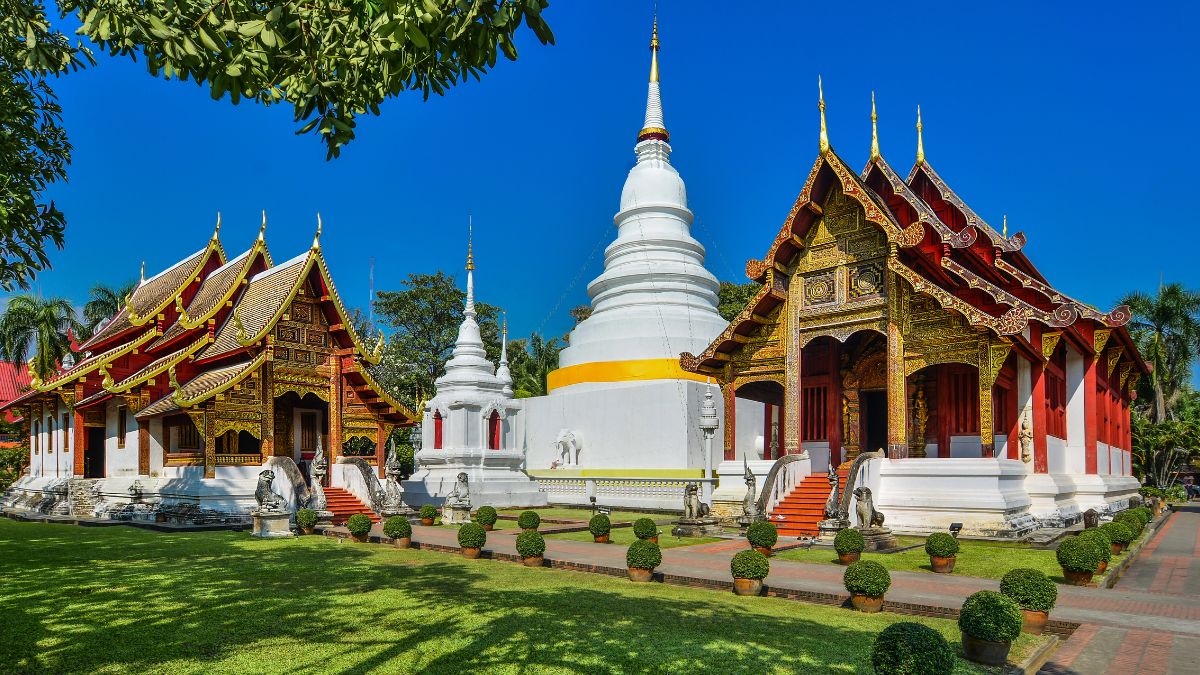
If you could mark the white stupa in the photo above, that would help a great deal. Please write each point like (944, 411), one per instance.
(619, 403)
(471, 426)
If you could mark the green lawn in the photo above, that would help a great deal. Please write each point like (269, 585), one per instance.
(586, 514)
(988, 559)
(121, 600)
(624, 536)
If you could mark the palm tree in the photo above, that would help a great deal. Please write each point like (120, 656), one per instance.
(532, 361)
(1167, 329)
(40, 324)
(105, 301)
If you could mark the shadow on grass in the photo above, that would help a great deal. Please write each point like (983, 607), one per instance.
(124, 600)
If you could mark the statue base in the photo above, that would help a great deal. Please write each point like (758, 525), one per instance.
(272, 525)
(878, 539)
(404, 511)
(693, 527)
(324, 517)
(827, 529)
(456, 514)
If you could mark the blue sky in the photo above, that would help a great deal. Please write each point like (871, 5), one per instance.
(1076, 122)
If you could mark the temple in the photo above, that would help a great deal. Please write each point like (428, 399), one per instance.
(214, 369)
(892, 319)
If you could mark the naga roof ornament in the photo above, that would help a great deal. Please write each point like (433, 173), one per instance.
(874, 130)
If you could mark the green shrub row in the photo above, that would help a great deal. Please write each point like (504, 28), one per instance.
(529, 520)
(472, 535)
(306, 518)
(531, 544)
(1117, 533)
(1079, 555)
(1103, 543)
(644, 528)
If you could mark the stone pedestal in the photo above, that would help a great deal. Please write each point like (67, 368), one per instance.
(272, 525)
(829, 528)
(879, 539)
(693, 527)
(324, 517)
(404, 511)
(456, 514)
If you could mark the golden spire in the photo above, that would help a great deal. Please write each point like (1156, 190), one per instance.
(824, 142)
(654, 52)
(874, 130)
(262, 229)
(920, 140)
(1005, 233)
(470, 244)
(317, 237)
(217, 229)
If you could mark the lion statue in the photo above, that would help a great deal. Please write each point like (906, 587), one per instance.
(461, 494)
(693, 508)
(867, 515)
(269, 501)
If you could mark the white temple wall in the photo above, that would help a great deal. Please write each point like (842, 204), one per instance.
(119, 461)
(818, 454)
(1076, 422)
(36, 449)
(748, 428)
(1056, 454)
(986, 495)
(1103, 456)
(156, 447)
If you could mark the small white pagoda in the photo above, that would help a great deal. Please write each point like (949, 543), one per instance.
(471, 426)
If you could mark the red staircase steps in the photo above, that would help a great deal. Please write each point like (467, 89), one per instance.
(343, 505)
(804, 507)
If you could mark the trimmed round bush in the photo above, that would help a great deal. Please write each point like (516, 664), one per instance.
(1117, 533)
(486, 515)
(1078, 555)
(749, 564)
(1132, 521)
(599, 525)
(941, 545)
(306, 518)
(358, 524)
(849, 541)
(762, 533)
(908, 648)
(472, 535)
(529, 520)
(1146, 514)
(644, 528)
(992, 616)
(643, 555)
(428, 511)
(1030, 589)
(867, 577)
(397, 527)
(531, 544)
(1101, 540)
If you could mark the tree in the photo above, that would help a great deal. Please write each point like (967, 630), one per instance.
(1161, 448)
(581, 313)
(1166, 328)
(531, 361)
(103, 303)
(40, 324)
(732, 298)
(424, 316)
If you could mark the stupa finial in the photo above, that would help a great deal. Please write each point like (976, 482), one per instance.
(470, 244)
(920, 139)
(654, 127)
(874, 130)
(142, 275)
(824, 140)
(1005, 232)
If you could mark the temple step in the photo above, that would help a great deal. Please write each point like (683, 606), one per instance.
(804, 507)
(342, 505)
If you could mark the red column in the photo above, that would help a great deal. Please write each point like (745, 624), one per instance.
(943, 411)
(78, 430)
(1089, 414)
(380, 442)
(730, 397)
(1037, 378)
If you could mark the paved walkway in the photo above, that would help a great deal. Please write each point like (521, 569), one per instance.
(1149, 623)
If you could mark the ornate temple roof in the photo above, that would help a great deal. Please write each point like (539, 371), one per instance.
(202, 387)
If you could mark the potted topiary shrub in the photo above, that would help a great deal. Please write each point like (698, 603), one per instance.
(644, 528)
(1034, 593)
(600, 527)
(1103, 543)
(762, 535)
(1118, 534)
(849, 545)
(360, 527)
(471, 537)
(306, 520)
(749, 568)
(1132, 521)
(1079, 558)
(529, 520)
(909, 648)
(867, 581)
(989, 622)
(531, 546)
(399, 530)
(486, 516)
(428, 513)
(943, 551)
(641, 559)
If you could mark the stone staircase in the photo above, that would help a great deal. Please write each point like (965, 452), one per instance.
(79, 493)
(804, 507)
(343, 505)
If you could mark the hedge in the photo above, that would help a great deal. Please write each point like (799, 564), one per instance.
(1030, 589)
(867, 577)
(1102, 541)
(762, 533)
(992, 616)
(1117, 533)
(644, 528)
(907, 648)
(306, 518)
(749, 564)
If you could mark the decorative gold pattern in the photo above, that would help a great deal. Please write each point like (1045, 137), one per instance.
(1100, 339)
(1050, 343)
(1114, 355)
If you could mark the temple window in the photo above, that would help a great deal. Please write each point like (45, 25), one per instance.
(437, 430)
(37, 436)
(189, 437)
(121, 422)
(50, 433)
(66, 430)
(494, 431)
(1056, 404)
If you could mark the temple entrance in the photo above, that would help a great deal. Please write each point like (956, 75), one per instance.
(874, 419)
(759, 420)
(93, 453)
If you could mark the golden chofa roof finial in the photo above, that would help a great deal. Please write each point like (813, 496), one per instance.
(470, 244)
(874, 130)
(824, 141)
(217, 229)
(1005, 232)
(317, 237)
(262, 229)
(920, 140)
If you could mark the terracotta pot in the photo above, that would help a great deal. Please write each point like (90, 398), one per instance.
(653, 539)
(600, 538)
(535, 561)
(529, 529)
(866, 603)
(427, 521)
(639, 574)
(1078, 578)
(1035, 621)
(1103, 566)
(308, 530)
(747, 586)
(942, 565)
(847, 558)
(360, 538)
(1116, 548)
(402, 542)
(471, 553)
(765, 550)
(488, 528)
(985, 651)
